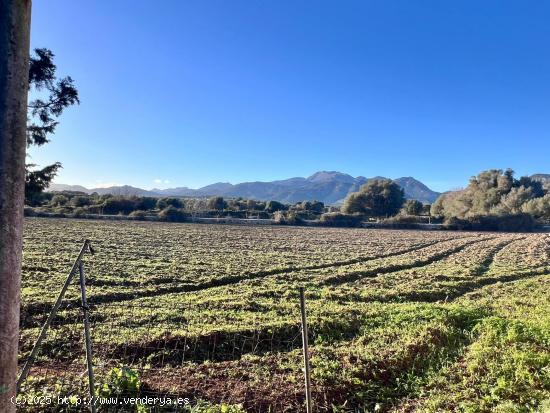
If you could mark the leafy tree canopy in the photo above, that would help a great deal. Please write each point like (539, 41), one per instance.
(378, 197)
(52, 95)
(493, 192)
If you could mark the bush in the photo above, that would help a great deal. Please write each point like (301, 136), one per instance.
(217, 203)
(412, 207)
(79, 212)
(121, 381)
(138, 215)
(118, 205)
(405, 219)
(172, 214)
(146, 203)
(508, 223)
(162, 203)
(273, 206)
(315, 207)
(79, 201)
(288, 218)
(337, 219)
(59, 200)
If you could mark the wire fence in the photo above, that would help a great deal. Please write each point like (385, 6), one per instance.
(178, 356)
(171, 356)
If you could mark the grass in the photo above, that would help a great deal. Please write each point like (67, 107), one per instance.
(400, 321)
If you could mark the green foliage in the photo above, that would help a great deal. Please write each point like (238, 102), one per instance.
(203, 406)
(36, 181)
(145, 203)
(138, 215)
(337, 219)
(162, 203)
(217, 203)
(79, 212)
(538, 207)
(311, 206)
(43, 113)
(494, 194)
(399, 320)
(378, 197)
(509, 222)
(287, 218)
(172, 214)
(118, 205)
(59, 200)
(80, 201)
(412, 207)
(507, 365)
(273, 206)
(120, 381)
(253, 205)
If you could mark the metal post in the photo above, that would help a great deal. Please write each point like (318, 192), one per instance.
(91, 381)
(85, 247)
(305, 350)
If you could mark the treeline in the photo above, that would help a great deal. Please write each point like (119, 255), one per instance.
(79, 204)
(380, 200)
(495, 200)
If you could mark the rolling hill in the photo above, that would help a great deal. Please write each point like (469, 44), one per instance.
(330, 187)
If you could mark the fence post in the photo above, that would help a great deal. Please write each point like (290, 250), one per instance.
(305, 350)
(88, 339)
(85, 247)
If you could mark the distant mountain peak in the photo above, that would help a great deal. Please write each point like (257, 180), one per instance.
(324, 176)
(330, 187)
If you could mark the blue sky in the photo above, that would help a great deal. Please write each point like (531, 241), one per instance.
(187, 93)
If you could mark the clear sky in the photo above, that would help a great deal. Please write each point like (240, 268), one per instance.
(187, 93)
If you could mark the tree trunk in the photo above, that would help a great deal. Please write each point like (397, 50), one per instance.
(14, 72)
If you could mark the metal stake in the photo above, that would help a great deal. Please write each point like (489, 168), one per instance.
(85, 309)
(305, 350)
(85, 247)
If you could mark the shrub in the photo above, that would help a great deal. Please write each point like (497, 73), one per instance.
(172, 214)
(412, 207)
(509, 223)
(166, 202)
(273, 206)
(217, 203)
(121, 382)
(59, 200)
(404, 219)
(79, 201)
(118, 205)
(138, 215)
(146, 203)
(288, 218)
(337, 219)
(311, 206)
(79, 212)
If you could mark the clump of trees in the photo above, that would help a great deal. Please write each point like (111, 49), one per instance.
(68, 203)
(495, 199)
(412, 207)
(172, 214)
(377, 198)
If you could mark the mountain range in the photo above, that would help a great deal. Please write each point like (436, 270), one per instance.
(330, 187)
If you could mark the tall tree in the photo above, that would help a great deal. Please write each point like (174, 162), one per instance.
(378, 197)
(43, 113)
(14, 71)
